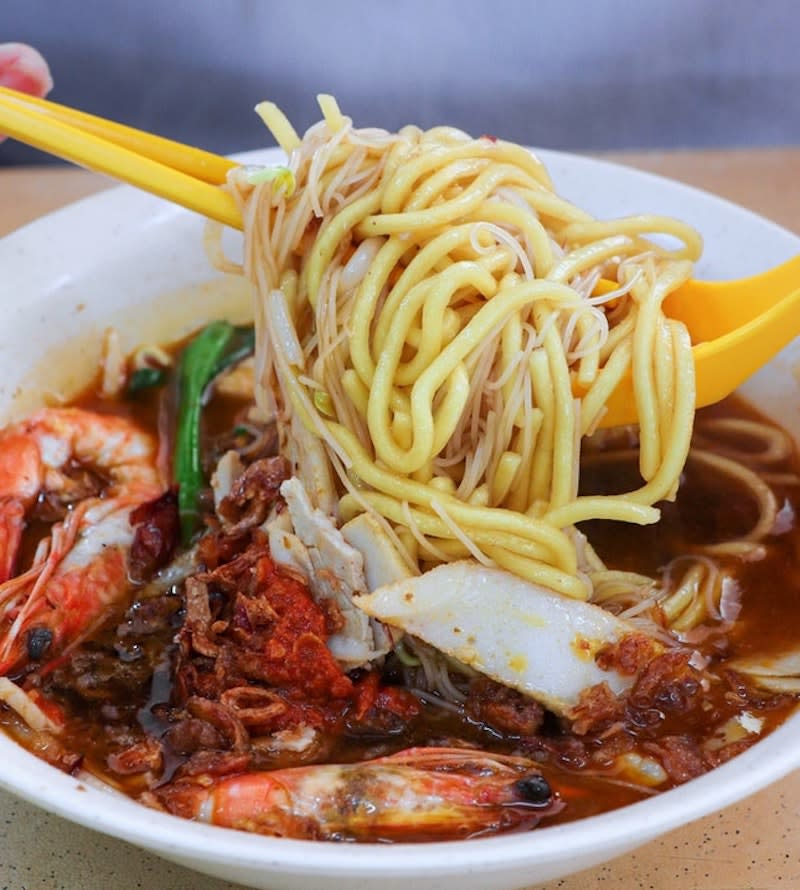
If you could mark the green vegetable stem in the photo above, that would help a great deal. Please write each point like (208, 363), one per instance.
(215, 348)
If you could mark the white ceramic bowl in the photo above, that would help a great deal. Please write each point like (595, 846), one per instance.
(125, 259)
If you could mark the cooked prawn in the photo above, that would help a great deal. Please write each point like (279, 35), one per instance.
(82, 566)
(416, 794)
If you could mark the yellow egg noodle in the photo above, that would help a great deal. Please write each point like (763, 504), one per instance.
(426, 310)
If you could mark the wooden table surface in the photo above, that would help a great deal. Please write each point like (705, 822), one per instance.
(754, 845)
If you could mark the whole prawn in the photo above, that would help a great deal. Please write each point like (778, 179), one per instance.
(81, 568)
(416, 794)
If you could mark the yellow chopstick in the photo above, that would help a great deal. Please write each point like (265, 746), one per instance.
(195, 162)
(180, 173)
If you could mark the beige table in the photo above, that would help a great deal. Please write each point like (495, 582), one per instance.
(754, 845)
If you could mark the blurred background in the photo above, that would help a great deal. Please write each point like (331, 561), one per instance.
(593, 75)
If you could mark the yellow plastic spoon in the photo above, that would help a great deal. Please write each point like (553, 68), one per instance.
(736, 327)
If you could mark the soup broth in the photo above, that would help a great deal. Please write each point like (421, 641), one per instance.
(123, 697)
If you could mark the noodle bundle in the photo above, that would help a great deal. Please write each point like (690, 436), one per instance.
(427, 313)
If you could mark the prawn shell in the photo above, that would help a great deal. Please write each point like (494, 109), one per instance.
(414, 795)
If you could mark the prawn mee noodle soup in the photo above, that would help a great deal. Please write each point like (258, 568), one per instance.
(385, 567)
